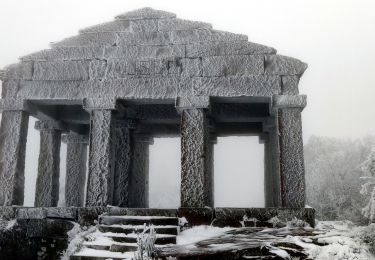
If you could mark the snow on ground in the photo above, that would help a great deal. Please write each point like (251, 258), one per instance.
(199, 233)
(339, 240)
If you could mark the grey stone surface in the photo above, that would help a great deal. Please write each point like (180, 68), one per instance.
(13, 135)
(47, 183)
(232, 65)
(164, 73)
(76, 157)
(286, 101)
(145, 13)
(226, 48)
(139, 178)
(292, 170)
(144, 52)
(66, 53)
(123, 159)
(258, 85)
(180, 24)
(101, 168)
(195, 190)
(283, 65)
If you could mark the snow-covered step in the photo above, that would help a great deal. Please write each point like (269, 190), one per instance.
(138, 220)
(94, 254)
(127, 229)
(161, 239)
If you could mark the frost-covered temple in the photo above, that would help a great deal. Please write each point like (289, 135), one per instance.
(113, 87)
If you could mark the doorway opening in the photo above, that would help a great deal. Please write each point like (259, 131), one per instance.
(164, 173)
(239, 172)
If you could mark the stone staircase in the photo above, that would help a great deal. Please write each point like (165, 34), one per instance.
(116, 237)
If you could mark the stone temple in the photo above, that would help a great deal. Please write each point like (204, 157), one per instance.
(113, 87)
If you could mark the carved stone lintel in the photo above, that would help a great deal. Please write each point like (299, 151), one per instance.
(49, 125)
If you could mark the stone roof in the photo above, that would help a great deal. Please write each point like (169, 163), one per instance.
(150, 53)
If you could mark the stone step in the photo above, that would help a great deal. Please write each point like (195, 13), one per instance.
(128, 229)
(160, 239)
(94, 254)
(138, 220)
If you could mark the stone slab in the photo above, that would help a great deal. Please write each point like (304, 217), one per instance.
(283, 65)
(226, 48)
(144, 51)
(257, 85)
(66, 53)
(180, 24)
(145, 13)
(89, 40)
(286, 101)
(64, 70)
(232, 65)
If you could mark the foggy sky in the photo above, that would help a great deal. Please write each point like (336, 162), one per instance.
(336, 38)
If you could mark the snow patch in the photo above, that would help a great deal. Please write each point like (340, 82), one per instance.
(199, 233)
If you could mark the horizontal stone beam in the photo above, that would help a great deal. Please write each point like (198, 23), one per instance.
(75, 138)
(99, 104)
(286, 101)
(49, 125)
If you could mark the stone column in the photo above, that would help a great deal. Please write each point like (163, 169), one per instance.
(101, 163)
(75, 178)
(47, 183)
(195, 171)
(292, 171)
(13, 136)
(123, 159)
(139, 178)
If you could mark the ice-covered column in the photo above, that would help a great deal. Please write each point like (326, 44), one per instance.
(13, 135)
(139, 177)
(292, 170)
(101, 159)
(47, 183)
(75, 178)
(123, 159)
(196, 184)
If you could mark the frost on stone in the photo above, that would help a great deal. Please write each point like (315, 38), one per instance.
(76, 236)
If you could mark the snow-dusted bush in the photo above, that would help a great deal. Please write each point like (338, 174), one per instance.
(6, 225)
(275, 221)
(145, 243)
(368, 189)
(368, 236)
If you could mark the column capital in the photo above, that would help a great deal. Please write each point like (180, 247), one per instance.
(13, 104)
(289, 101)
(192, 102)
(107, 103)
(74, 138)
(49, 125)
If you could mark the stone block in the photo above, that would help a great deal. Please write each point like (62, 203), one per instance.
(226, 48)
(13, 104)
(116, 211)
(180, 24)
(144, 38)
(22, 70)
(30, 213)
(9, 88)
(283, 65)
(61, 213)
(289, 85)
(89, 40)
(233, 65)
(7, 212)
(144, 51)
(192, 102)
(107, 103)
(65, 70)
(194, 36)
(145, 13)
(197, 216)
(191, 67)
(148, 25)
(87, 216)
(66, 53)
(97, 69)
(257, 85)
